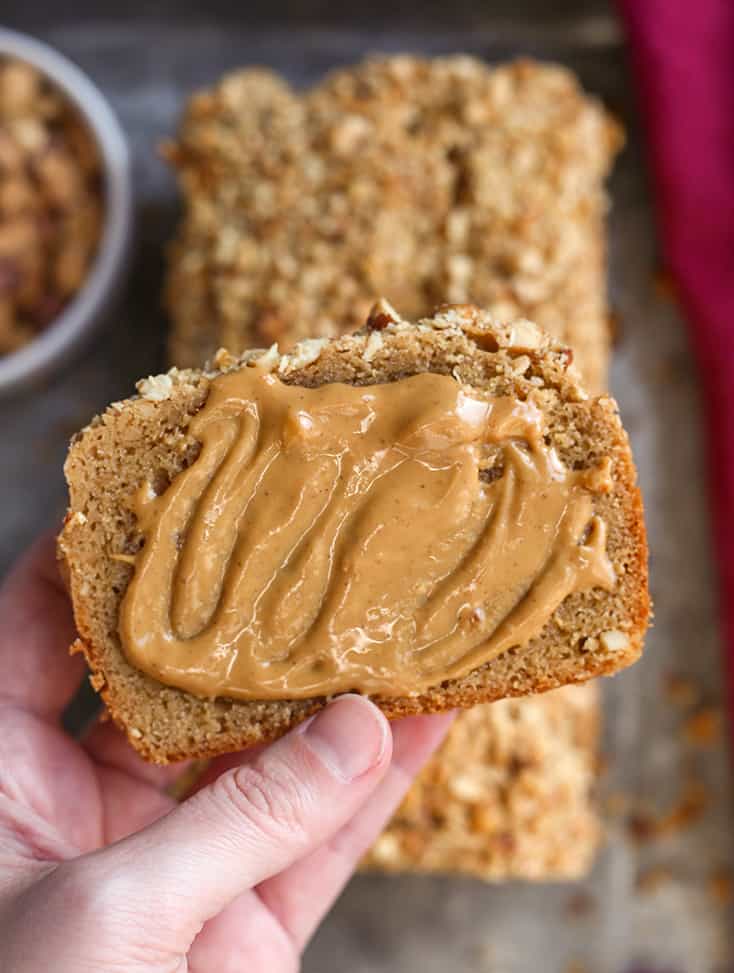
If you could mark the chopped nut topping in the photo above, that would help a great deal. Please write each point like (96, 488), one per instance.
(155, 388)
(382, 315)
(614, 641)
(417, 179)
(304, 353)
(524, 336)
(386, 849)
(223, 359)
(373, 346)
(269, 359)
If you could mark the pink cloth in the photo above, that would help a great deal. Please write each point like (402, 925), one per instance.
(683, 57)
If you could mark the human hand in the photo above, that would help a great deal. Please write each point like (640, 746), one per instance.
(101, 870)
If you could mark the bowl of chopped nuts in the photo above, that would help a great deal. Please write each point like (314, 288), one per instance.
(65, 208)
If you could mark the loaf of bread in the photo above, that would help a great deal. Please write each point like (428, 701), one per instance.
(421, 180)
(146, 439)
(508, 795)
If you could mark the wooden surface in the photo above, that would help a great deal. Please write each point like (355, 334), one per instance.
(146, 62)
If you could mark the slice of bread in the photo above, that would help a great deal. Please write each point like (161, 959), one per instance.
(147, 438)
(411, 178)
(508, 795)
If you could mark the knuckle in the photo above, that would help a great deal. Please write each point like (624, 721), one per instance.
(271, 800)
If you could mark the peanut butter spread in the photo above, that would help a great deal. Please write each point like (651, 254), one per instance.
(380, 538)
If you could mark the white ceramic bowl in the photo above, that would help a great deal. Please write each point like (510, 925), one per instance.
(80, 316)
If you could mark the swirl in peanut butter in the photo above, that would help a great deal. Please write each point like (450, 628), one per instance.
(380, 538)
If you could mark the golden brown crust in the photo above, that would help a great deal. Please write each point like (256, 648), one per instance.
(590, 634)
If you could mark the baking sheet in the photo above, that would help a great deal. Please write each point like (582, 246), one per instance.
(680, 918)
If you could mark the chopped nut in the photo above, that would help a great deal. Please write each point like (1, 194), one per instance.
(373, 345)
(304, 353)
(269, 359)
(521, 364)
(382, 315)
(155, 388)
(460, 267)
(350, 133)
(135, 733)
(97, 681)
(223, 359)
(454, 315)
(466, 788)
(614, 641)
(19, 87)
(485, 819)
(386, 849)
(524, 336)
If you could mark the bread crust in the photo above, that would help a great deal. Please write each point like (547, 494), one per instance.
(148, 433)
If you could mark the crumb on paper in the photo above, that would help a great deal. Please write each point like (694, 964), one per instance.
(681, 690)
(720, 885)
(644, 825)
(649, 880)
(581, 904)
(703, 728)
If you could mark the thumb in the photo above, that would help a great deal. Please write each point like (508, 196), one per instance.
(250, 824)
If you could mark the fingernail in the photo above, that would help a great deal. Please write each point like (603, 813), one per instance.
(350, 736)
